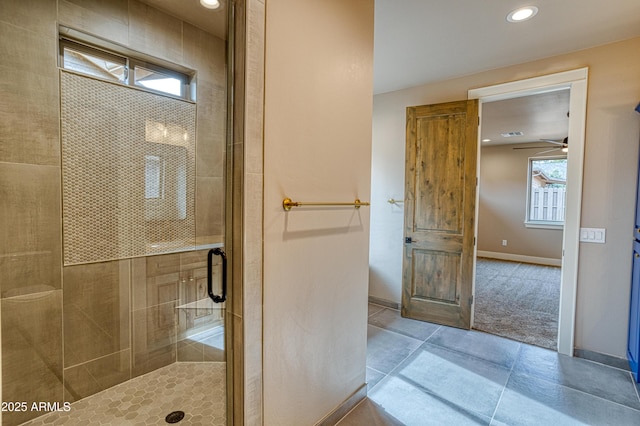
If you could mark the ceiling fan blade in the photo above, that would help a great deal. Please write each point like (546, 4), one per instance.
(549, 150)
(530, 147)
(552, 141)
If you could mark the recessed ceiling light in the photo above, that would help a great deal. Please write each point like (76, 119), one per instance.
(210, 4)
(522, 14)
(486, 140)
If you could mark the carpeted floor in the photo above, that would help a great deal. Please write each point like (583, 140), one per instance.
(518, 301)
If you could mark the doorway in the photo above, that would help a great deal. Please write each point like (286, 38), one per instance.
(522, 188)
(576, 83)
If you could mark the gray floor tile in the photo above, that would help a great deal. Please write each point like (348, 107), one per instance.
(390, 319)
(531, 401)
(373, 377)
(586, 376)
(368, 413)
(386, 349)
(460, 379)
(373, 308)
(481, 345)
(410, 405)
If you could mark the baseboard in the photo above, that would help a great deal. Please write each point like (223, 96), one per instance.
(384, 302)
(343, 409)
(520, 258)
(605, 359)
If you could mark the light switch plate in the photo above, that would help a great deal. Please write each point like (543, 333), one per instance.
(593, 235)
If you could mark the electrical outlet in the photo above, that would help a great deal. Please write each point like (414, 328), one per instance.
(504, 243)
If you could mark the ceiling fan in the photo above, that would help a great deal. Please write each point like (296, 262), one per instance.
(562, 144)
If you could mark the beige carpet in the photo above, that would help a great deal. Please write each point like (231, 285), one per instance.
(518, 301)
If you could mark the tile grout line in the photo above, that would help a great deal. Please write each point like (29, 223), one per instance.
(635, 385)
(504, 388)
(402, 360)
(544, 379)
(438, 326)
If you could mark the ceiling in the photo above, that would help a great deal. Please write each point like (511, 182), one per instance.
(425, 41)
(538, 117)
(213, 21)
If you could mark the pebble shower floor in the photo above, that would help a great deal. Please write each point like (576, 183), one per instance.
(198, 389)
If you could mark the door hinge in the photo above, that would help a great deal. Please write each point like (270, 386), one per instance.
(478, 120)
(474, 241)
(471, 300)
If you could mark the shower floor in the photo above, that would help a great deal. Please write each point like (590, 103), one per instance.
(198, 389)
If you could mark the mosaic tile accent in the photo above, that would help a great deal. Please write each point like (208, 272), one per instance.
(128, 171)
(198, 389)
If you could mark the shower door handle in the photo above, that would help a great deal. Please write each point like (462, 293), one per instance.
(223, 296)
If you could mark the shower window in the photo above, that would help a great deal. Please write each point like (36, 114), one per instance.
(93, 62)
(160, 81)
(115, 67)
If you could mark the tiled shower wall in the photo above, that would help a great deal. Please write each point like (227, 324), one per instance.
(68, 332)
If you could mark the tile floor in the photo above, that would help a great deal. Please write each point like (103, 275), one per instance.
(198, 389)
(422, 374)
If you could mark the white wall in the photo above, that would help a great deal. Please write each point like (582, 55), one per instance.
(611, 159)
(317, 142)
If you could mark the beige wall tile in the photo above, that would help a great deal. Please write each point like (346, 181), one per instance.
(29, 124)
(96, 311)
(31, 351)
(197, 313)
(209, 206)
(206, 54)
(238, 368)
(164, 264)
(214, 346)
(193, 260)
(155, 33)
(190, 351)
(252, 217)
(193, 273)
(86, 379)
(155, 280)
(108, 19)
(211, 129)
(154, 338)
(138, 283)
(34, 15)
(29, 228)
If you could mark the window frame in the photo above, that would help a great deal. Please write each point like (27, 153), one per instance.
(130, 62)
(183, 78)
(540, 224)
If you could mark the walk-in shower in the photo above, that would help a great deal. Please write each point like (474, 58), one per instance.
(114, 127)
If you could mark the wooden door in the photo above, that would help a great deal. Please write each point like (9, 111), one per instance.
(439, 218)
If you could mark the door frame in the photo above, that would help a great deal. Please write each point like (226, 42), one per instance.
(576, 82)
